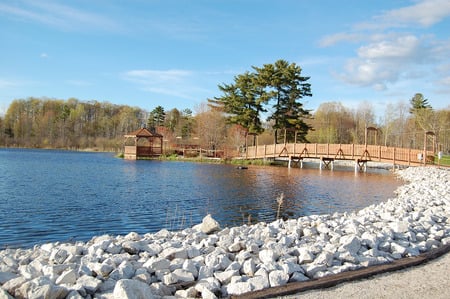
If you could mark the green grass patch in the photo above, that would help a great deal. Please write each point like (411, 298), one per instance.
(445, 161)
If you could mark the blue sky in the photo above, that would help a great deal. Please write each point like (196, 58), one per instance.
(172, 53)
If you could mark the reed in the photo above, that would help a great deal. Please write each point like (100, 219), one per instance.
(280, 201)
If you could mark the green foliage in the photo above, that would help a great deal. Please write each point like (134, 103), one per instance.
(418, 102)
(42, 122)
(285, 87)
(156, 117)
(279, 85)
(445, 161)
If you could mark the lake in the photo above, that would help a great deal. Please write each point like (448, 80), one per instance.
(51, 195)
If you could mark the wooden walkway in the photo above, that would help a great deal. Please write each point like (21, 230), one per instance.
(328, 153)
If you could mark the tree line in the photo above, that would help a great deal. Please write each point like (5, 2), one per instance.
(265, 104)
(403, 124)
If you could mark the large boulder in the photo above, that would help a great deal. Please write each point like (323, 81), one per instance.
(132, 289)
(208, 225)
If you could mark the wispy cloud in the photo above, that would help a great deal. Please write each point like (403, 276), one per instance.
(174, 82)
(333, 39)
(424, 13)
(78, 83)
(59, 16)
(4, 83)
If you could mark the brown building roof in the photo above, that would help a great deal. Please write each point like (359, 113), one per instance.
(143, 132)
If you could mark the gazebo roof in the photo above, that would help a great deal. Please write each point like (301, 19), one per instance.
(143, 132)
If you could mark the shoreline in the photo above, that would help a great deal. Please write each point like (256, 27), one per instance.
(210, 262)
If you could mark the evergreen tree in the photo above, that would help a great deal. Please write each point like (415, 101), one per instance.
(418, 102)
(243, 102)
(285, 87)
(156, 118)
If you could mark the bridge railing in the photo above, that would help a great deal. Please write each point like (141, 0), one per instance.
(379, 153)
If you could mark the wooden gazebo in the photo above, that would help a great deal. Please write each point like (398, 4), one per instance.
(143, 143)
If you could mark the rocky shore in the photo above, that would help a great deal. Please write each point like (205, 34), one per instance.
(208, 262)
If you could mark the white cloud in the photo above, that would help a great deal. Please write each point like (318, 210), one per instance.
(7, 83)
(58, 16)
(333, 39)
(424, 13)
(404, 47)
(380, 63)
(177, 83)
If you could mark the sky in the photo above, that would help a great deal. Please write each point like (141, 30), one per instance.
(175, 53)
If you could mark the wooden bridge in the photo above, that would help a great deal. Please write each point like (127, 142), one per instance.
(294, 153)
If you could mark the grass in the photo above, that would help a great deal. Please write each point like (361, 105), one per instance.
(445, 161)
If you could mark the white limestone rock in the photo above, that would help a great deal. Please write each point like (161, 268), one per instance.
(298, 276)
(182, 275)
(89, 283)
(208, 225)
(278, 278)
(268, 256)
(305, 255)
(68, 277)
(132, 289)
(259, 282)
(249, 267)
(350, 243)
(225, 276)
(239, 288)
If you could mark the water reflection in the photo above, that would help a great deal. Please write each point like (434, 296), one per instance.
(59, 196)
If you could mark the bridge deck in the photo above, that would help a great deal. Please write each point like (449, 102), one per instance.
(355, 152)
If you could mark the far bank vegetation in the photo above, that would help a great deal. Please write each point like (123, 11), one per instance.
(267, 103)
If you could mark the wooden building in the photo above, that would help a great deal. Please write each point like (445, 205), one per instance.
(143, 143)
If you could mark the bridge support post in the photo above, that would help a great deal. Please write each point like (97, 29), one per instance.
(326, 163)
(361, 165)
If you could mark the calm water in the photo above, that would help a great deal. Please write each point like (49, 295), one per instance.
(48, 195)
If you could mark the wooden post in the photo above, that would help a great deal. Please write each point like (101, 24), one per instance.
(409, 157)
(394, 157)
(265, 149)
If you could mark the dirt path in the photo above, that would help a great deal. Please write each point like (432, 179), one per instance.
(429, 280)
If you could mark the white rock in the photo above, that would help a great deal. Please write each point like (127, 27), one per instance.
(298, 276)
(350, 243)
(211, 283)
(68, 277)
(249, 267)
(13, 284)
(207, 294)
(74, 295)
(182, 275)
(312, 269)
(267, 256)
(259, 282)
(399, 226)
(239, 288)
(305, 256)
(90, 284)
(48, 291)
(209, 225)
(225, 276)
(278, 278)
(205, 272)
(132, 289)
(290, 268)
